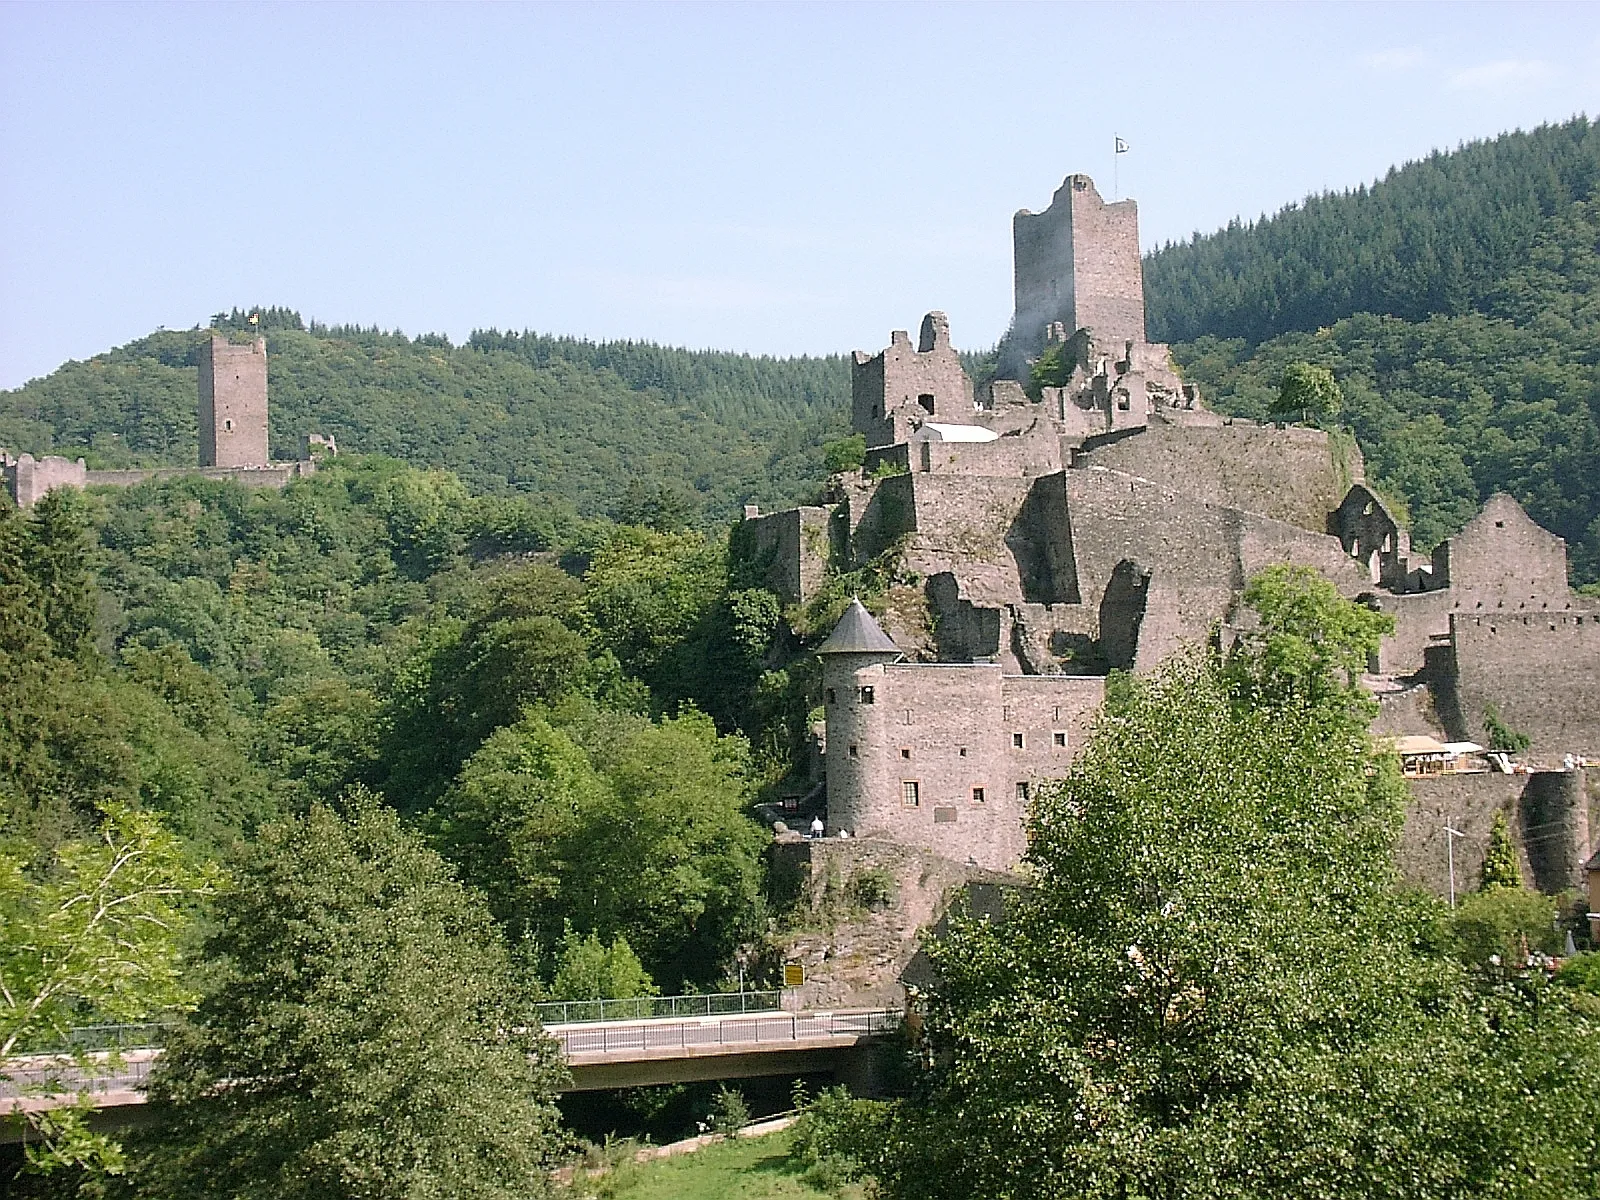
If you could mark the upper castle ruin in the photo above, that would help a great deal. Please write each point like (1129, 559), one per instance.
(1060, 532)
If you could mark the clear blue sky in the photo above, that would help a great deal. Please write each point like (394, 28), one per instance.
(770, 178)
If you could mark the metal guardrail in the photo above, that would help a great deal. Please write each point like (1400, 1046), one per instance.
(645, 1008)
(35, 1076)
(761, 1029)
(141, 1036)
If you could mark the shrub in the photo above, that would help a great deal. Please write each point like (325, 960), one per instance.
(1504, 923)
(872, 888)
(729, 1112)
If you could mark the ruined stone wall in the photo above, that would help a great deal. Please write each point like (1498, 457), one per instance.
(28, 478)
(1548, 814)
(1108, 288)
(1419, 617)
(1540, 670)
(970, 526)
(233, 403)
(1290, 474)
(1076, 263)
(1199, 555)
(1035, 451)
(928, 379)
(787, 551)
(1501, 560)
(276, 475)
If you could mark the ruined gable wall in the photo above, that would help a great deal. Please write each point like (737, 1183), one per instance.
(233, 403)
(1541, 670)
(1503, 560)
(927, 379)
(1290, 474)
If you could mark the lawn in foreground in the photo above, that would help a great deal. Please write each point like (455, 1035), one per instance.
(746, 1169)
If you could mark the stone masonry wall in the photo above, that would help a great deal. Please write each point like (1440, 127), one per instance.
(952, 730)
(789, 550)
(28, 478)
(233, 403)
(1076, 263)
(1501, 560)
(1541, 670)
(928, 379)
(1548, 813)
(1290, 474)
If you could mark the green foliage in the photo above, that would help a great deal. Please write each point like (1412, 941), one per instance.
(1500, 866)
(588, 969)
(729, 1112)
(1501, 925)
(95, 932)
(835, 1135)
(359, 1034)
(1214, 990)
(621, 825)
(844, 454)
(872, 888)
(1309, 392)
(1501, 736)
(1053, 368)
(1311, 644)
(1581, 971)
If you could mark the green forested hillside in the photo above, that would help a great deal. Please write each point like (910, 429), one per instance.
(1432, 237)
(557, 416)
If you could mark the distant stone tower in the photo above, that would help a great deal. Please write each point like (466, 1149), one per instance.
(1077, 263)
(233, 403)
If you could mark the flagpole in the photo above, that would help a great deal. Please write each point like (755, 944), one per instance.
(1116, 187)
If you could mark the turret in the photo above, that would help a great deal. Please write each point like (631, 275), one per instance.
(853, 658)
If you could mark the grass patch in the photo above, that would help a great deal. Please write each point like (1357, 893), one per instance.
(744, 1169)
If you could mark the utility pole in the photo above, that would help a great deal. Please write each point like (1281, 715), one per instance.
(1450, 836)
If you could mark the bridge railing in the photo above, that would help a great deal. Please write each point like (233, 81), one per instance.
(645, 1008)
(754, 1029)
(84, 1038)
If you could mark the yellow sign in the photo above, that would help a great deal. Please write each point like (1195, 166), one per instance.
(794, 975)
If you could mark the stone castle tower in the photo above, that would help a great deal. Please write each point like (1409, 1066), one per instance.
(1077, 266)
(233, 403)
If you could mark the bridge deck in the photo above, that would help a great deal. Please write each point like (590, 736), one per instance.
(598, 1054)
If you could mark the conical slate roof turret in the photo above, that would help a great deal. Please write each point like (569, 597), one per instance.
(858, 633)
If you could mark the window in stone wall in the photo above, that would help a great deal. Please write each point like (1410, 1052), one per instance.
(855, 751)
(227, 426)
(1057, 715)
(905, 716)
(977, 795)
(962, 751)
(831, 698)
(1059, 737)
(926, 400)
(1022, 791)
(910, 793)
(866, 695)
(1018, 741)
(905, 751)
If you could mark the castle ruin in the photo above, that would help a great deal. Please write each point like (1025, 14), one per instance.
(232, 415)
(1060, 532)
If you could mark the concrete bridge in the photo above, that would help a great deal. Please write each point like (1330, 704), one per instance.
(621, 1052)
